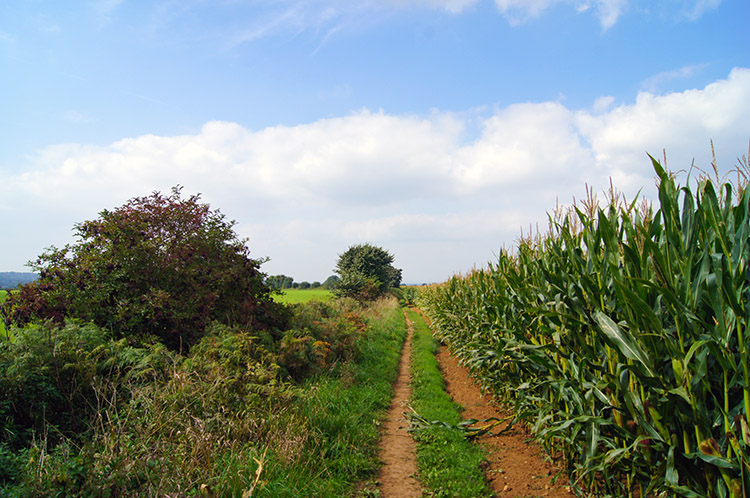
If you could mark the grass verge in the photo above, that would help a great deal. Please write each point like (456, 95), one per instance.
(343, 415)
(449, 464)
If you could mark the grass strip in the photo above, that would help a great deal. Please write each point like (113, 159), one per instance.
(343, 416)
(449, 464)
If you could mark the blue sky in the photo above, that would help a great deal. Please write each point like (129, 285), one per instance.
(434, 128)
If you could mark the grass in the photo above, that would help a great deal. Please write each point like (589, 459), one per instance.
(449, 464)
(293, 296)
(3, 334)
(342, 416)
(221, 422)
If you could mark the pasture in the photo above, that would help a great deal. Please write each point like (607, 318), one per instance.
(294, 296)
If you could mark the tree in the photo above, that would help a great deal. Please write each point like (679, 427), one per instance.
(280, 282)
(330, 282)
(159, 266)
(366, 272)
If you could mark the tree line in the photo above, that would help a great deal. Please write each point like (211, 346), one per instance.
(287, 282)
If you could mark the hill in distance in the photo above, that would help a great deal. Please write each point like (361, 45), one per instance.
(11, 279)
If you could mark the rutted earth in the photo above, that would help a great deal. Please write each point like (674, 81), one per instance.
(516, 468)
(397, 448)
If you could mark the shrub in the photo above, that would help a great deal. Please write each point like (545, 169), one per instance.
(53, 379)
(159, 266)
(366, 272)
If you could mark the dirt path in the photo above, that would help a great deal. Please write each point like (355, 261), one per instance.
(397, 448)
(516, 468)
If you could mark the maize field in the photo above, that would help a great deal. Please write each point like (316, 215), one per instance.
(620, 336)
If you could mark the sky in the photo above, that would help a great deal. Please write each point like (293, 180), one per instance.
(440, 130)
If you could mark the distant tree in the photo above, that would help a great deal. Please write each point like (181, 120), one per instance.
(279, 282)
(315, 285)
(366, 272)
(304, 285)
(159, 266)
(331, 282)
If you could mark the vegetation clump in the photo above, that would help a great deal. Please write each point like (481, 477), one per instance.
(150, 359)
(241, 412)
(366, 272)
(159, 266)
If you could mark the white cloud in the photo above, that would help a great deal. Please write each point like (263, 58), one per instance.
(697, 8)
(653, 83)
(7, 37)
(453, 6)
(603, 104)
(682, 123)
(519, 11)
(105, 9)
(417, 185)
(328, 18)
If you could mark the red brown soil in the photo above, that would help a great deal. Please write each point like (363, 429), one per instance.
(397, 448)
(516, 467)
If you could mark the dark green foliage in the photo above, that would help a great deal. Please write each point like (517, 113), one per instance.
(406, 295)
(366, 272)
(330, 282)
(279, 282)
(54, 379)
(321, 334)
(159, 266)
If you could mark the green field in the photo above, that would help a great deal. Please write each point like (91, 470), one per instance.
(293, 296)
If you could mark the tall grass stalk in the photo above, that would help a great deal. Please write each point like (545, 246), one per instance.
(621, 337)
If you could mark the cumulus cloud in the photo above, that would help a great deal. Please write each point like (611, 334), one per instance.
(678, 122)
(420, 184)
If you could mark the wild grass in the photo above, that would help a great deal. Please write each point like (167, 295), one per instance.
(294, 296)
(449, 464)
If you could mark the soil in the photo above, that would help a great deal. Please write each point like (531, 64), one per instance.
(516, 467)
(397, 448)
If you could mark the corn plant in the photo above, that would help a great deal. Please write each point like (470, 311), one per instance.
(620, 336)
